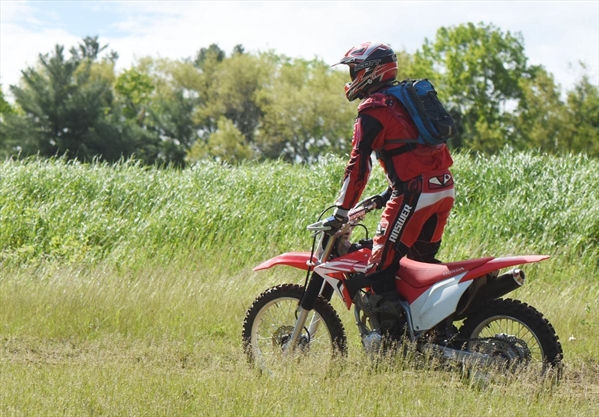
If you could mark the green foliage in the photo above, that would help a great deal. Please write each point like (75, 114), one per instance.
(408, 67)
(66, 106)
(209, 56)
(166, 117)
(540, 121)
(548, 123)
(229, 88)
(477, 69)
(5, 107)
(266, 106)
(581, 127)
(306, 114)
(135, 89)
(227, 144)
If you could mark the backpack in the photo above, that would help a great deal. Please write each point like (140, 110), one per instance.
(435, 125)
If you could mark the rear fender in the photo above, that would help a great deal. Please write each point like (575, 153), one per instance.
(491, 285)
(500, 263)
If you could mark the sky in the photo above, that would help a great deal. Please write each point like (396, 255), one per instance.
(557, 34)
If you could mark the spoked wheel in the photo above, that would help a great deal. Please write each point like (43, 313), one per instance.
(515, 333)
(269, 323)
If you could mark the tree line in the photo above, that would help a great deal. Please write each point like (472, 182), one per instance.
(258, 106)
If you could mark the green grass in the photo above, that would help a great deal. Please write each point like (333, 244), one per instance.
(123, 288)
(72, 213)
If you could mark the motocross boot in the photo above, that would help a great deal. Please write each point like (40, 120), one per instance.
(355, 283)
(370, 340)
(391, 319)
(387, 302)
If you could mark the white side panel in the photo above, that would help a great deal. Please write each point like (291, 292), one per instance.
(327, 269)
(437, 302)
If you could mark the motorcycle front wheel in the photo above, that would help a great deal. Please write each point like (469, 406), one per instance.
(515, 331)
(270, 320)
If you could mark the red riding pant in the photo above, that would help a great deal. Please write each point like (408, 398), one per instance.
(412, 224)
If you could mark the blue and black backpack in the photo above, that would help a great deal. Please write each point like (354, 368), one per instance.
(435, 125)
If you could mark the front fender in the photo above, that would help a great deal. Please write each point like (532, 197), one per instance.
(298, 260)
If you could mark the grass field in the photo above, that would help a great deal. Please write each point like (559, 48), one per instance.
(123, 288)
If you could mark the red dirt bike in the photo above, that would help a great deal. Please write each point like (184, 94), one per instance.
(299, 320)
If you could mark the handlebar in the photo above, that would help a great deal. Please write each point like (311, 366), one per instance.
(363, 207)
(354, 216)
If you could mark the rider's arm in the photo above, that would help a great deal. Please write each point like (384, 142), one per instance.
(386, 195)
(366, 131)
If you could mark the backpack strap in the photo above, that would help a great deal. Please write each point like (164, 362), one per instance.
(385, 155)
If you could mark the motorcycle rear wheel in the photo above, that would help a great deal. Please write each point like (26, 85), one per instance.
(515, 320)
(270, 320)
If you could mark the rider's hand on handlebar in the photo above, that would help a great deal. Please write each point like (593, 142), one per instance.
(335, 222)
(378, 200)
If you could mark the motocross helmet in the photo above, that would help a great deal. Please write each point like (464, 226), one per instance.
(371, 64)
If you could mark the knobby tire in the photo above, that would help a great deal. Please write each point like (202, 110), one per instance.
(519, 313)
(270, 297)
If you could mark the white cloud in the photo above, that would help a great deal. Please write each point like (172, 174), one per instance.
(556, 34)
(21, 49)
(22, 39)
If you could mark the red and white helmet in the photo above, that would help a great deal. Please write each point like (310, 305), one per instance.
(371, 64)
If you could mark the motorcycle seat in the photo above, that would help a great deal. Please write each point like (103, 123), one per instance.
(421, 274)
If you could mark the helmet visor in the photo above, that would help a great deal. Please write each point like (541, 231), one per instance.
(352, 72)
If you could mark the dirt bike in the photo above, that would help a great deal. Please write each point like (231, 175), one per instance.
(292, 320)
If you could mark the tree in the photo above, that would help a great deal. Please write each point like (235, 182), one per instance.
(306, 114)
(161, 97)
(207, 56)
(134, 88)
(5, 107)
(10, 126)
(229, 87)
(226, 144)
(539, 118)
(476, 69)
(405, 66)
(581, 125)
(64, 106)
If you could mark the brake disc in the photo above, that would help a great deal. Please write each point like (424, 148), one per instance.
(508, 350)
(281, 337)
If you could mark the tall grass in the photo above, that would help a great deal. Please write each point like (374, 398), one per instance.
(123, 288)
(54, 210)
(526, 201)
(70, 212)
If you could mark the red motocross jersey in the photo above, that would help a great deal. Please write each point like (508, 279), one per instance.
(383, 125)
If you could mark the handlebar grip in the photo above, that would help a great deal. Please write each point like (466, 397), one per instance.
(362, 209)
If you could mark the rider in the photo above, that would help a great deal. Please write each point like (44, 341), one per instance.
(420, 194)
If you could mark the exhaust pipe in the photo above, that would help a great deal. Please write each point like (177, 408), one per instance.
(503, 284)
(499, 286)
(490, 288)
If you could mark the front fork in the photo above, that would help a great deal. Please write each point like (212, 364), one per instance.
(317, 286)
